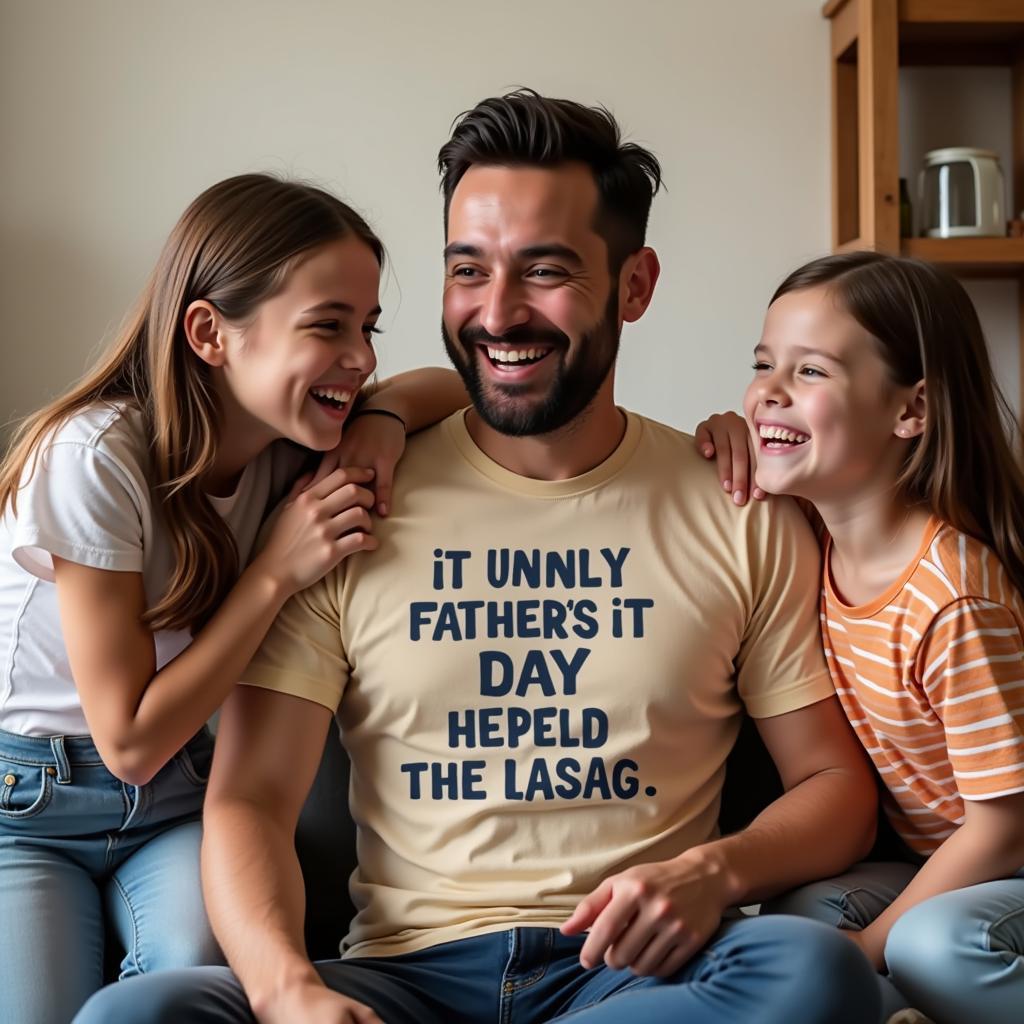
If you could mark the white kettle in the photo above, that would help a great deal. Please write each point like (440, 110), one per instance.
(961, 193)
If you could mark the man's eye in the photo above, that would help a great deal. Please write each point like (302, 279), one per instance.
(464, 272)
(545, 273)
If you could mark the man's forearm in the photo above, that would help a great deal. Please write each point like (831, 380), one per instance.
(815, 830)
(256, 899)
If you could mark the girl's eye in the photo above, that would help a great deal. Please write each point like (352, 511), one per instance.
(812, 371)
(758, 367)
(325, 325)
(370, 330)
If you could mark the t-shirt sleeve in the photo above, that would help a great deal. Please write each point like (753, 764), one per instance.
(781, 665)
(303, 654)
(81, 504)
(971, 666)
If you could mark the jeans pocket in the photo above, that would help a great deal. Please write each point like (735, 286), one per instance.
(195, 758)
(25, 789)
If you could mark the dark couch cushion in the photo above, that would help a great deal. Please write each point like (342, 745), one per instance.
(325, 840)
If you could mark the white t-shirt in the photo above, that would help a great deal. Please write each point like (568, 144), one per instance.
(87, 499)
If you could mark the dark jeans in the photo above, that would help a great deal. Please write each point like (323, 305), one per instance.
(769, 970)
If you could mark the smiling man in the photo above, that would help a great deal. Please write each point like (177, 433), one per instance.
(539, 676)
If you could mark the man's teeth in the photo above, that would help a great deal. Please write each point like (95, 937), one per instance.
(503, 355)
(335, 394)
(782, 434)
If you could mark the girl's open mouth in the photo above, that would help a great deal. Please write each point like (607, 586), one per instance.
(776, 438)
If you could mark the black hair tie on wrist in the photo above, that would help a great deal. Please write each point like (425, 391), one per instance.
(380, 412)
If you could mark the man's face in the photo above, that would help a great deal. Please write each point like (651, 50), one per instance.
(531, 318)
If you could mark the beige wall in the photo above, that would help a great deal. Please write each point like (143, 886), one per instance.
(115, 113)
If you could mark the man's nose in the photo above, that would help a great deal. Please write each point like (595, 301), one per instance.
(504, 305)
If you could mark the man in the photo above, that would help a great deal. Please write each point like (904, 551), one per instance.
(539, 676)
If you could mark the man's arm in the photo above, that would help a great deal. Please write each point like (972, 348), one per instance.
(652, 918)
(267, 753)
(824, 821)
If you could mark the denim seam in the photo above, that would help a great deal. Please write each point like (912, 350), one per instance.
(133, 951)
(31, 762)
(28, 762)
(40, 805)
(848, 923)
(504, 1005)
(541, 971)
(187, 767)
(993, 925)
(137, 809)
(602, 1000)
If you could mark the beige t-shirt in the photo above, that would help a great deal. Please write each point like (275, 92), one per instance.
(538, 682)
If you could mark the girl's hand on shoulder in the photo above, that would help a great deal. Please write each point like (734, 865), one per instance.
(375, 442)
(319, 525)
(725, 438)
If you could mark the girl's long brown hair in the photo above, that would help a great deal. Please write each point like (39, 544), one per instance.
(234, 247)
(962, 468)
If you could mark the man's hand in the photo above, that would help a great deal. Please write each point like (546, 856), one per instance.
(652, 918)
(312, 1003)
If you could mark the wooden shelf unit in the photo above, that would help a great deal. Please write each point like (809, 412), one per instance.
(971, 257)
(870, 39)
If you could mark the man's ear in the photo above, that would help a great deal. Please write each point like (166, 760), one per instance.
(637, 279)
(911, 419)
(205, 332)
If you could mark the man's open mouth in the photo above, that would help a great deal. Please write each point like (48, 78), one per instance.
(508, 359)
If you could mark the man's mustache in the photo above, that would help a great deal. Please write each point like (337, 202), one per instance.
(517, 335)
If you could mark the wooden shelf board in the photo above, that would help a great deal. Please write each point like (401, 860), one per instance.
(972, 24)
(960, 12)
(851, 245)
(990, 257)
(965, 45)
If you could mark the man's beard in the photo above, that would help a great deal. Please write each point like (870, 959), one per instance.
(573, 388)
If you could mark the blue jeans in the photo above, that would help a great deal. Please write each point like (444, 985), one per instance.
(81, 851)
(956, 957)
(780, 970)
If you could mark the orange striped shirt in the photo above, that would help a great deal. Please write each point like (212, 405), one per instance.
(931, 676)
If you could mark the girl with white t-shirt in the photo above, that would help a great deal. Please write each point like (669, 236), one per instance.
(129, 604)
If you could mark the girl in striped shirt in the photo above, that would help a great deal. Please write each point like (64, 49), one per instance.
(874, 400)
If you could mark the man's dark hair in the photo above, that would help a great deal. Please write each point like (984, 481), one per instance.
(523, 128)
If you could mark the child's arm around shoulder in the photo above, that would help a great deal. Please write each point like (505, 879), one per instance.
(420, 397)
(374, 437)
